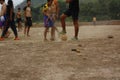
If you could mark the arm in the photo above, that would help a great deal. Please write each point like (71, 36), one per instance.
(57, 8)
(11, 14)
(16, 15)
(31, 13)
(25, 13)
(3, 11)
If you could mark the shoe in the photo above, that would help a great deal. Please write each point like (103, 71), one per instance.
(16, 38)
(62, 32)
(1, 39)
(74, 39)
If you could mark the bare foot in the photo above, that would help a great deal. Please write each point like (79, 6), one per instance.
(28, 35)
(45, 40)
(52, 39)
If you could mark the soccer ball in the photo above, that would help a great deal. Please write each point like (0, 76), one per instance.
(64, 37)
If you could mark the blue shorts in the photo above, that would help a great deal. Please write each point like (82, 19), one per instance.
(48, 22)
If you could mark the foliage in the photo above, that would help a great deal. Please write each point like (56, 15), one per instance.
(102, 9)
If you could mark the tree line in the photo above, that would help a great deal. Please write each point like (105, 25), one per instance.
(101, 9)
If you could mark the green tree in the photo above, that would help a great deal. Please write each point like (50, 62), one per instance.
(114, 9)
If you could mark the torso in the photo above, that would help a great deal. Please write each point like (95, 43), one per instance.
(8, 11)
(18, 14)
(54, 6)
(28, 12)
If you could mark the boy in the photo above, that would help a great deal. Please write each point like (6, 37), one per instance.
(19, 20)
(10, 21)
(94, 21)
(28, 18)
(3, 17)
(73, 11)
(48, 20)
(2, 13)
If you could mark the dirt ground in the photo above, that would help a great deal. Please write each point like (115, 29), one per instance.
(33, 59)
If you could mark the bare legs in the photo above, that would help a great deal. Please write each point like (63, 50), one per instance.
(26, 31)
(75, 22)
(52, 33)
(63, 17)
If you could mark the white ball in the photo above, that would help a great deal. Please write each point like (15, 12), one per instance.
(64, 37)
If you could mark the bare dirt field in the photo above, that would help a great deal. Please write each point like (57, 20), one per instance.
(33, 59)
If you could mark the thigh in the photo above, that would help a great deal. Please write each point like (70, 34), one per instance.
(75, 15)
(67, 13)
(29, 22)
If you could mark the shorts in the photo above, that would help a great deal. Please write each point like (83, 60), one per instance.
(48, 22)
(19, 20)
(28, 22)
(73, 13)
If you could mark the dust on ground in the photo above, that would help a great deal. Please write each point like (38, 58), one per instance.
(33, 59)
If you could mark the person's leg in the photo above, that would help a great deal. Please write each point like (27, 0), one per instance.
(18, 26)
(26, 25)
(4, 31)
(45, 33)
(1, 25)
(13, 27)
(57, 29)
(66, 14)
(76, 26)
(28, 30)
(52, 33)
(29, 25)
(75, 15)
(25, 30)
(63, 17)
(54, 20)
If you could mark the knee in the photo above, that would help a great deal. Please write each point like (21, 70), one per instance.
(75, 22)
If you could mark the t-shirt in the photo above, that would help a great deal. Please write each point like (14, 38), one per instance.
(8, 12)
(74, 5)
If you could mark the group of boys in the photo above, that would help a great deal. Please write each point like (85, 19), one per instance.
(50, 12)
(50, 17)
(5, 22)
